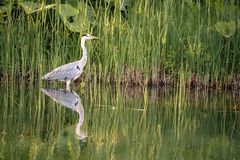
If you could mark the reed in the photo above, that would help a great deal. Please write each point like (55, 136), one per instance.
(152, 43)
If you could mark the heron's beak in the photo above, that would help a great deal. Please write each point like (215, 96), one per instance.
(93, 37)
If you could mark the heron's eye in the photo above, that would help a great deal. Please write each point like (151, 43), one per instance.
(84, 35)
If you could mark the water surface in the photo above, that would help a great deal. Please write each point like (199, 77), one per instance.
(109, 123)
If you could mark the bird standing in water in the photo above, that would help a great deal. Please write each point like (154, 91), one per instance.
(71, 71)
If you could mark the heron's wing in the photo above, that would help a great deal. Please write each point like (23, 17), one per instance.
(69, 99)
(65, 72)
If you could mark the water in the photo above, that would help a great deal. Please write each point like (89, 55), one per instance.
(109, 123)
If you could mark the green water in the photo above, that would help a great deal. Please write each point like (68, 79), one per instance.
(108, 123)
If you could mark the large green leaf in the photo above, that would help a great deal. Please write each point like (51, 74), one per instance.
(31, 7)
(77, 19)
(227, 29)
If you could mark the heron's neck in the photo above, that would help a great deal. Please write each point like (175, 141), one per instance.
(80, 111)
(84, 51)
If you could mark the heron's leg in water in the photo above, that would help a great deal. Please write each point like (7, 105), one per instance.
(68, 85)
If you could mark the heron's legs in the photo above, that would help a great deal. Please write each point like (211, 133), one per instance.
(68, 85)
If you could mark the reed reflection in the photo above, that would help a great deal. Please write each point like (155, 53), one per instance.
(71, 100)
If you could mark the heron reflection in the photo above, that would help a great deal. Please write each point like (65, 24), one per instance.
(69, 99)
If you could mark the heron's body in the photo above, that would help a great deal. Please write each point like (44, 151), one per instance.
(71, 100)
(71, 71)
(67, 73)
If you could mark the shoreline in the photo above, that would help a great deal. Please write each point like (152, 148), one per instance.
(193, 82)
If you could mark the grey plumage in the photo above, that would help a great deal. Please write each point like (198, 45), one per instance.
(66, 72)
(71, 71)
(71, 100)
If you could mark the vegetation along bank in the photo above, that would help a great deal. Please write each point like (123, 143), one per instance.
(147, 43)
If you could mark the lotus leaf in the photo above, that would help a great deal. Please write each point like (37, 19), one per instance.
(77, 19)
(227, 29)
(31, 7)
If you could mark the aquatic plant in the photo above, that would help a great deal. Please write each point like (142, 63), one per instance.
(141, 43)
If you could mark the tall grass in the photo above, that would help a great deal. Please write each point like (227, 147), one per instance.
(152, 43)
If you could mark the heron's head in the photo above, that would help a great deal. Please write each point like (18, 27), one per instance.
(88, 37)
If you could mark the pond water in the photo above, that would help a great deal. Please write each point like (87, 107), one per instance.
(100, 122)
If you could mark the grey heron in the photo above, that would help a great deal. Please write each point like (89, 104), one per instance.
(71, 100)
(71, 71)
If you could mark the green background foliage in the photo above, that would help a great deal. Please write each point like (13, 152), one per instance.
(140, 41)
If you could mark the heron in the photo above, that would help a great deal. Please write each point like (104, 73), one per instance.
(71, 100)
(71, 71)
